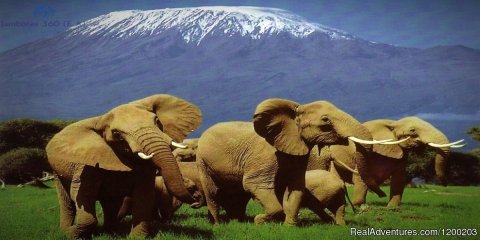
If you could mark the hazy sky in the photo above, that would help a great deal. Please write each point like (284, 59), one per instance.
(409, 23)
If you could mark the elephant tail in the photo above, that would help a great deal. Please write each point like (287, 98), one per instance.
(348, 197)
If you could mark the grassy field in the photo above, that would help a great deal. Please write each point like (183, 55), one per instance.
(32, 213)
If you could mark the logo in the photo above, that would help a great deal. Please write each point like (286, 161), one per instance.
(43, 10)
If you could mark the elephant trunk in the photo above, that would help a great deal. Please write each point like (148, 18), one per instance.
(361, 155)
(441, 165)
(361, 152)
(155, 142)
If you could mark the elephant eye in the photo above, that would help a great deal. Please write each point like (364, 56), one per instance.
(325, 119)
(412, 130)
(158, 123)
(117, 135)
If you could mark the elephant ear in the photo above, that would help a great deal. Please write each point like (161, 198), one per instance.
(381, 130)
(274, 120)
(178, 117)
(81, 143)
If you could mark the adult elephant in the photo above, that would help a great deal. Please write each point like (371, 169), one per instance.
(116, 154)
(267, 160)
(390, 159)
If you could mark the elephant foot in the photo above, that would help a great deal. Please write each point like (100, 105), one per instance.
(363, 208)
(393, 204)
(140, 230)
(291, 221)
(262, 218)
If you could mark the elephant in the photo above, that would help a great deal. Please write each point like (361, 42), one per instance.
(187, 154)
(389, 160)
(165, 203)
(267, 159)
(117, 154)
(325, 190)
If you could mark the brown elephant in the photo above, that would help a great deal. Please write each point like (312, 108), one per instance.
(117, 154)
(325, 190)
(267, 160)
(187, 154)
(389, 160)
(165, 203)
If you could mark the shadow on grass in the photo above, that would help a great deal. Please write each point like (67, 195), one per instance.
(190, 232)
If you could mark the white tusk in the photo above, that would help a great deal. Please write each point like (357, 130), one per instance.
(336, 162)
(458, 146)
(444, 145)
(396, 142)
(178, 145)
(145, 157)
(358, 140)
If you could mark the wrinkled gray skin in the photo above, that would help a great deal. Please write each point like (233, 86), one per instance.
(187, 154)
(325, 190)
(388, 161)
(267, 160)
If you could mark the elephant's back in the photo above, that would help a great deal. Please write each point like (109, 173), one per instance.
(224, 148)
(323, 184)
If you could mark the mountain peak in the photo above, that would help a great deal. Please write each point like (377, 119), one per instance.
(196, 23)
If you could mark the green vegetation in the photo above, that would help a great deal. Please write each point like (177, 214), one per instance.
(22, 164)
(22, 148)
(31, 213)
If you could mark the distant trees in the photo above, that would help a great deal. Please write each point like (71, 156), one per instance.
(462, 168)
(22, 148)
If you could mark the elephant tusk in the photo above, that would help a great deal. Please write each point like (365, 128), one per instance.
(458, 146)
(145, 157)
(358, 140)
(396, 142)
(445, 145)
(178, 145)
(336, 162)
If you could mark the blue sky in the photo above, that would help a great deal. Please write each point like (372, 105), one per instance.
(408, 23)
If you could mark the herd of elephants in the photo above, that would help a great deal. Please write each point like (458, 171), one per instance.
(134, 159)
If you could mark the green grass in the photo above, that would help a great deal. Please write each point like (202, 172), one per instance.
(31, 213)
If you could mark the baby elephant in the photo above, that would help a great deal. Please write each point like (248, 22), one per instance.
(165, 203)
(325, 190)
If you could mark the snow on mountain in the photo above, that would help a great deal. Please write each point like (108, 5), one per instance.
(194, 24)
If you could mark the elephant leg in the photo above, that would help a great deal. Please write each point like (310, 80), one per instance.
(291, 204)
(271, 205)
(66, 205)
(339, 212)
(318, 208)
(84, 192)
(360, 190)
(210, 191)
(397, 185)
(125, 208)
(295, 191)
(111, 208)
(236, 207)
(143, 202)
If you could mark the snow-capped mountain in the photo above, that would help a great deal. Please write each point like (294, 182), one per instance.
(227, 60)
(196, 23)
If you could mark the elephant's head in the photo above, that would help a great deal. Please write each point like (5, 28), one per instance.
(167, 204)
(132, 134)
(412, 134)
(294, 129)
(187, 154)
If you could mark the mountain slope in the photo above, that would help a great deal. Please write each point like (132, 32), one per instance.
(227, 60)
